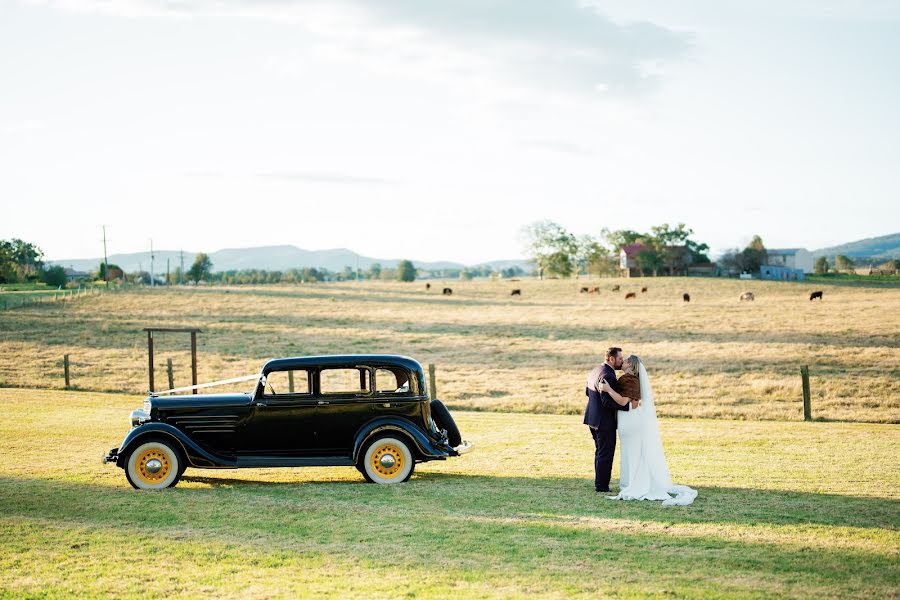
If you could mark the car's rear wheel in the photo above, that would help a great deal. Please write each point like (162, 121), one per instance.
(443, 420)
(154, 465)
(387, 460)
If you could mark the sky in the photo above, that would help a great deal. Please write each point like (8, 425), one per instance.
(435, 130)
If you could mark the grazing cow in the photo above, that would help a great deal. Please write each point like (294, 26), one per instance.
(643, 290)
(594, 290)
(516, 293)
(686, 297)
(748, 296)
(815, 295)
(615, 288)
(447, 292)
(427, 286)
(583, 290)
(630, 295)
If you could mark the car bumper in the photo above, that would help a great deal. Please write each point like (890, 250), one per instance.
(111, 457)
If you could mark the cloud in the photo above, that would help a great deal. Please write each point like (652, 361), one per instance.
(565, 46)
(338, 178)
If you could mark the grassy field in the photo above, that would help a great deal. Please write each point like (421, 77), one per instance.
(712, 357)
(785, 509)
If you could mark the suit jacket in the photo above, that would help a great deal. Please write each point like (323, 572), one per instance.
(601, 409)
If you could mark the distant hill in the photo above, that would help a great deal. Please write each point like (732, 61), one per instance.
(271, 258)
(884, 247)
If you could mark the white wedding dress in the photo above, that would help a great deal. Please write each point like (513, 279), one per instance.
(644, 472)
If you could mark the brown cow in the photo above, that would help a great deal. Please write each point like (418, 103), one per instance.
(516, 293)
(615, 288)
(686, 297)
(814, 295)
(594, 290)
(630, 295)
(447, 292)
(748, 296)
(643, 290)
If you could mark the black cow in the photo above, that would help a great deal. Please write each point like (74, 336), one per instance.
(583, 290)
(686, 297)
(427, 286)
(516, 293)
(630, 295)
(615, 288)
(814, 295)
(447, 292)
(643, 290)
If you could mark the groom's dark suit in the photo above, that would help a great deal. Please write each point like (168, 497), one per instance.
(600, 416)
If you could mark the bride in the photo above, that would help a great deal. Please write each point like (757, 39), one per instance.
(644, 472)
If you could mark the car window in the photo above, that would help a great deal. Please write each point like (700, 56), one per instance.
(391, 382)
(344, 381)
(287, 382)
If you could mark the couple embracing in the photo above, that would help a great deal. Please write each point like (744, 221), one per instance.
(626, 403)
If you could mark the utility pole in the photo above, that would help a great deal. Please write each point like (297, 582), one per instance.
(105, 260)
(152, 282)
(181, 274)
(357, 266)
(167, 271)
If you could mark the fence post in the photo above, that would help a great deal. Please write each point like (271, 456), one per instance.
(291, 382)
(171, 376)
(66, 369)
(807, 408)
(431, 382)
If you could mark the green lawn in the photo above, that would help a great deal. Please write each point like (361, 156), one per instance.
(785, 509)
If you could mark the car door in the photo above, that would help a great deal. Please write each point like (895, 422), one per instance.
(281, 422)
(344, 399)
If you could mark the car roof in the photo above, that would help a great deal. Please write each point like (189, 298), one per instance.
(332, 360)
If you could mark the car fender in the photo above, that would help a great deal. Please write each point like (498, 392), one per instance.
(195, 455)
(423, 444)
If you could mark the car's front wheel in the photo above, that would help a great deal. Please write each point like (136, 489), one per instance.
(154, 465)
(387, 460)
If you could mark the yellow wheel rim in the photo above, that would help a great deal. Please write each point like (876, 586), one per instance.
(153, 454)
(388, 450)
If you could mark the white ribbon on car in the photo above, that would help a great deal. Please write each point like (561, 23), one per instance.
(199, 386)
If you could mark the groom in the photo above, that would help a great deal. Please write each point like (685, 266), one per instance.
(600, 416)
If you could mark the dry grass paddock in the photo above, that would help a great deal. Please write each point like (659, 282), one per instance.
(711, 357)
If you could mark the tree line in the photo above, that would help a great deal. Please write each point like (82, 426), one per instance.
(555, 251)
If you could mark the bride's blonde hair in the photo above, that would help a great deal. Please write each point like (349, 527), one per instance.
(635, 362)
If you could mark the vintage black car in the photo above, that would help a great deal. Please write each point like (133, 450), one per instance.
(368, 411)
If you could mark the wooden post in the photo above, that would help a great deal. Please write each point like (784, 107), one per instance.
(150, 358)
(194, 360)
(807, 408)
(291, 382)
(171, 376)
(431, 383)
(66, 369)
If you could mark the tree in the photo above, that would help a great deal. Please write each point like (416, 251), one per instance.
(821, 266)
(54, 276)
(375, 271)
(114, 272)
(620, 238)
(591, 257)
(546, 239)
(201, 268)
(406, 271)
(560, 263)
(842, 263)
(21, 258)
(753, 256)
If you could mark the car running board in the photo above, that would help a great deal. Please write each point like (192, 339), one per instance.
(294, 461)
